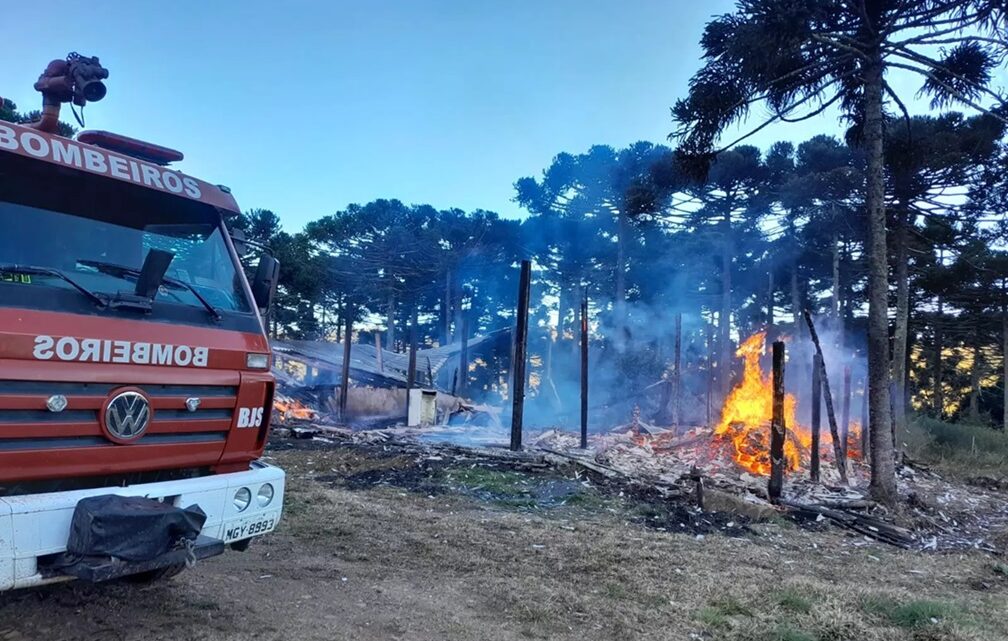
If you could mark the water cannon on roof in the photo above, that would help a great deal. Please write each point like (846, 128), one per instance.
(77, 79)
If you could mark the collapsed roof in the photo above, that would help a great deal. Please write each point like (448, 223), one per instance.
(317, 363)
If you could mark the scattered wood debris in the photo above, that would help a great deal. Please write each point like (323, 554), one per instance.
(936, 514)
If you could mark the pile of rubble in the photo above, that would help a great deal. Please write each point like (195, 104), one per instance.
(935, 513)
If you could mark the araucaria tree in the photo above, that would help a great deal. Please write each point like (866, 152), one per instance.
(799, 57)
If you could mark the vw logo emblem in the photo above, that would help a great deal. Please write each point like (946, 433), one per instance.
(126, 416)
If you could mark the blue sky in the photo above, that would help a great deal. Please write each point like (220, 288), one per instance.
(304, 107)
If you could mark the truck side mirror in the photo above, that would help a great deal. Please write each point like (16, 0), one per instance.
(238, 239)
(265, 282)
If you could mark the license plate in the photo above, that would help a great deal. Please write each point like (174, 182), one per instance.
(238, 530)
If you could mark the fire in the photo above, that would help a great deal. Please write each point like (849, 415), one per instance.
(288, 409)
(746, 415)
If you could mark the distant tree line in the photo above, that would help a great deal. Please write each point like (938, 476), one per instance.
(781, 229)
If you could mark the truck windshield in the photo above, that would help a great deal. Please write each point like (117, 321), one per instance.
(99, 237)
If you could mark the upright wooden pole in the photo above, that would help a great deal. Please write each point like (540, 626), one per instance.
(778, 430)
(584, 372)
(521, 340)
(816, 415)
(845, 411)
(677, 373)
(345, 380)
(411, 368)
(378, 351)
(841, 462)
(463, 377)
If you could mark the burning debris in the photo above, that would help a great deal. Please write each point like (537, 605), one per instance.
(745, 419)
(723, 467)
(288, 410)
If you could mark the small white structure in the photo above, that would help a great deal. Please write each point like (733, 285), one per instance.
(422, 407)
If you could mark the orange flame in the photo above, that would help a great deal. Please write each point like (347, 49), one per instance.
(288, 409)
(747, 412)
(745, 417)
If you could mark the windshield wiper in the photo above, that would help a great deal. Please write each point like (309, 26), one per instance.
(122, 270)
(51, 271)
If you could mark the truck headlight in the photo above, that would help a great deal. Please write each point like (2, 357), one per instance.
(242, 498)
(265, 496)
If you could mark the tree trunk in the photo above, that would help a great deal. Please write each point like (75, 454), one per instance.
(724, 317)
(795, 300)
(770, 306)
(456, 306)
(883, 469)
(339, 322)
(899, 359)
(576, 324)
(390, 337)
(974, 401)
(835, 303)
(938, 396)
(619, 302)
(1004, 355)
(446, 310)
(562, 306)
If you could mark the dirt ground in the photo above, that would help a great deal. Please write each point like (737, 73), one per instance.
(372, 549)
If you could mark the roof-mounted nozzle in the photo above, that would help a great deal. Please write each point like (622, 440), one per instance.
(78, 79)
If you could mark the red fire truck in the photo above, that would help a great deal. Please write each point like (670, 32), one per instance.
(135, 385)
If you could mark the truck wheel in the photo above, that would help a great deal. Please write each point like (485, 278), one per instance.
(151, 576)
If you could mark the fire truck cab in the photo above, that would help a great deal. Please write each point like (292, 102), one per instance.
(133, 364)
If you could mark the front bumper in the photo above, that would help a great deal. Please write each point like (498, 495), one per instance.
(38, 525)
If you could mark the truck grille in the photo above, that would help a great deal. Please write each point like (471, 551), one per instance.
(26, 424)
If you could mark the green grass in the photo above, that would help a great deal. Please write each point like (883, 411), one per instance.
(716, 614)
(503, 483)
(785, 632)
(963, 449)
(591, 500)
(792, 600)
(911, 614)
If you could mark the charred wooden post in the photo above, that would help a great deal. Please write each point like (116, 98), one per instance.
(845, 411)
(697, 479)
(520, 348)
(345, 380)
(584, 372)
(816, 415)
(677, 372)
(841, 462)
(778, 431)
(378, 351)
